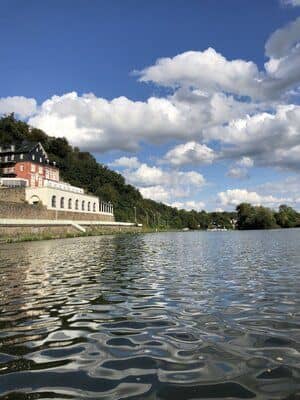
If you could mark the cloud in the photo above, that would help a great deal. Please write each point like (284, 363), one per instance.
(238, 173)
(23, 107)
(146, 175)
(166, 193)
(246, 162)
(99, 125)
(240, 170)
(211, 72)
(189, 205)
(156, 193)
(292, 3)
(269, 139)
(289, 185)
(159, 184)
(233, 197)
(283, 68)
(207, 70)
(125, 162)
(190, 153)
(283, 40)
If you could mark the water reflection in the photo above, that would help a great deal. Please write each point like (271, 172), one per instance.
(167, 316)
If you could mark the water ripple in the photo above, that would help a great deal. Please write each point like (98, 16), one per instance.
(160, 316)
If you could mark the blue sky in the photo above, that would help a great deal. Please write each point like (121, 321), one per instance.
(195, 102)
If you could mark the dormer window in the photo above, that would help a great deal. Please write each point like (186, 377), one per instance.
(21, 156)
(33, 157)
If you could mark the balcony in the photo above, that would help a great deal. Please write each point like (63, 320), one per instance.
(8, 172)
(6, 161)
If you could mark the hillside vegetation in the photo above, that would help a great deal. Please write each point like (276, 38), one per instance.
(81, 169)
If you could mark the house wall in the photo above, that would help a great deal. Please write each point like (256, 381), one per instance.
(45, 195)
(36, 173)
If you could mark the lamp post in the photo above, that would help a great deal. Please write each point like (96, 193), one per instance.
(147, 216)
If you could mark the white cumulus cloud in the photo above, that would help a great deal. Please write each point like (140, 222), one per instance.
(96, 124)
(190, 153)
(189, 205)
(283, 40)
(159, 184)
(207, 70)
(233, 197)
(268, 139)
(23, 107)
(125, 162)
(238, 173)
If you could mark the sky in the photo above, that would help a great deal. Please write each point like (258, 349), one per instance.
(196, 103)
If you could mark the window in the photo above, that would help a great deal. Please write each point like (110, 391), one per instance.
(82, 205)
(12, 157)
(89, 206)
(41, 159)
(53, 201)
(94, 207)
(21, 167)
(76, 204)
(33, 157)
(40, 170)
(70, 204)
(62, 202)
(32, 168)
(21, 156)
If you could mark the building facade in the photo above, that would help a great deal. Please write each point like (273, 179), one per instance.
(28, 161)
(29, 166)
(64, 197)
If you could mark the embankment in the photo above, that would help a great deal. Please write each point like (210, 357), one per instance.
(22, 221)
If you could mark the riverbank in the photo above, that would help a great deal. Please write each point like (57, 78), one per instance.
(17, 230)
(30, 237)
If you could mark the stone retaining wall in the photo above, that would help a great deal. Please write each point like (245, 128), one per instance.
(28, 211)
(15, 195)
(23, 231)
(47, 231)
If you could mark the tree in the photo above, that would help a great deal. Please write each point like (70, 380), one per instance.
(287, 217)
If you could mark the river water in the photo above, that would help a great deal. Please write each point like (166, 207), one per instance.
(191, 315)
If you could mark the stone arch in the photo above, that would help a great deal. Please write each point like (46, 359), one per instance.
(34, 199)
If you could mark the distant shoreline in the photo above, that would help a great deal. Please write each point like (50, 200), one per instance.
(41, 237)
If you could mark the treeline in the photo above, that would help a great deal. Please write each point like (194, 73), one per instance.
(258, 217)
(81, 169)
